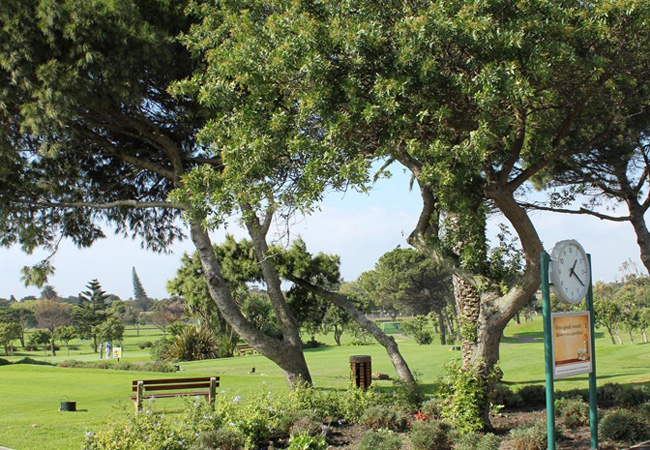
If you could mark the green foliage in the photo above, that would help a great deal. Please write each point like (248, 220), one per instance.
(307, 442)
(533, 395)
(140, 431)
(407, 396)
(9, 331)
(379, 416)
(431, 435)
(416, 328)
(475, 441)
(149, 366)
(623, 425)
(138, 289)
(193, 344)
(629, 397)
(529, 437)
(503, 395)
(574, 411)
(332, 405)
(222, 439)
(466, 395)
(111, 330)
(287, 417)
(380, 440)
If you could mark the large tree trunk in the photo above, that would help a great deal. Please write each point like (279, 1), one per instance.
(288, 356)
(388, 342)
(443, 327)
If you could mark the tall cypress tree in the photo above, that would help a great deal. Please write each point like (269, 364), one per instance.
(138, 289)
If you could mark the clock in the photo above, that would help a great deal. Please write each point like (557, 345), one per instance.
(569, 271)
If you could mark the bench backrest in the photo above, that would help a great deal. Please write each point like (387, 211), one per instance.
(173, 384)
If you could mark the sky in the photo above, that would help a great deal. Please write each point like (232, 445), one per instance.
(357, 227)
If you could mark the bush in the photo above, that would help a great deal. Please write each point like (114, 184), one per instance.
(307, 442)
(606, 393)
(627, 397)
(531, 437)
(431, 435)
(474, 441)
(533, 395)
(4, 362)
(150, 366)
(623, 425)
(289, 417)
(222, 439)
(145, 344)
(415, 328)
(644, 411)
(28, 360)
(432, 409)
(408, 396)
(503, 395)
(574, 411)
(192, 344)
(308, 426)
(380, 440)
(377, 417)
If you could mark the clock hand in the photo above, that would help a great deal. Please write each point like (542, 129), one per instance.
(573, 272)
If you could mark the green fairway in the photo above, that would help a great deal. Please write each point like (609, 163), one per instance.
(31, 395)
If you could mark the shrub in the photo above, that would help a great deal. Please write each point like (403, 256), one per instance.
(644, 410)
(4, 362)
(308, 426)
(474, 441)
(432, 409)
(531, 437)
(574, 411)
(408, 396)
(623, 425)
(289, 417)
(628, 397)
(431, 435)
(466, 396)
(307, 442)
(533, 395)
(145, 344)
(503, 395)
(415, 328)
(192, 344)
(222, 439)
(582, 394)
(606, 393)
(380, 440)
(28, 360)
(377, 417)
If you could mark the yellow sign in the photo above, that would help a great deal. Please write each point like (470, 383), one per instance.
(117, 352)
(571, 344)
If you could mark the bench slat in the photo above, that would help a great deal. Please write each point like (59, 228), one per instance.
(168, 395)
(172, 380)
(170, 387)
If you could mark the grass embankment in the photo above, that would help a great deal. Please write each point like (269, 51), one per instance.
(31, 395)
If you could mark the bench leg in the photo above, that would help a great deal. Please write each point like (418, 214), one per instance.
(213, 392)
(138, 398)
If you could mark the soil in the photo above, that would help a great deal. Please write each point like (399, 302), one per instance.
(348, 437)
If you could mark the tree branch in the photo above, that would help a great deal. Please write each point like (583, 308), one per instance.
(581, 211)
(108, 205)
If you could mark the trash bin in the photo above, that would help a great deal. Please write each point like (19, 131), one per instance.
(361, 366)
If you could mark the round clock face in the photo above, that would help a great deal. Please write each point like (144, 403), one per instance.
(569, 271)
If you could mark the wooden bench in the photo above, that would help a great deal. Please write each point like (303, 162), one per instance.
(182, 387)
(242, 349)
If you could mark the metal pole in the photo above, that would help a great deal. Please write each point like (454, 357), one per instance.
(548, 351)
(593, 404)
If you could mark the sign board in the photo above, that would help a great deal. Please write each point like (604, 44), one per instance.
(117, 352)
(571, 344)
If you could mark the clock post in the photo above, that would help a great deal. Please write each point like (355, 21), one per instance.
(569, 340)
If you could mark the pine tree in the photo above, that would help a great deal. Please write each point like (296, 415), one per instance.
(138, 290)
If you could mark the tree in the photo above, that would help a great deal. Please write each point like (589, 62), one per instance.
(138, 289)
(52, 315)
(49, 293)
(473, 98)
(166, 312)
(65, 334)
(111, 330)
(9, 331)
(405, 280)
(21, 315)
(40, 337)
(100, 140)
(607, 311)
(91, 312)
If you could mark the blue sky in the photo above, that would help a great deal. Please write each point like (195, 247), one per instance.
(357, 227)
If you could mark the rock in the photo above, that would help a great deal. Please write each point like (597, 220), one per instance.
(380, 376)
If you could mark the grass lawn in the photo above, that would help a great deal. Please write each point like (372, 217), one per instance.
(31, 394)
